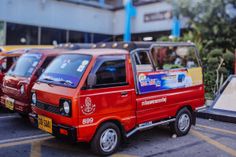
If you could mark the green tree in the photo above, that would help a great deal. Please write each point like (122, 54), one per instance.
(212, 27)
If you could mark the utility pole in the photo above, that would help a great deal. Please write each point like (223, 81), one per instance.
(176, 25)
(130, 12)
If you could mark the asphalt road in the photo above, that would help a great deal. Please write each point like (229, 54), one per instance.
(207, 139)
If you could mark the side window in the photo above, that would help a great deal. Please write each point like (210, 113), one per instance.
(111, 73)
(167, 58)
(142, 62)
(7, 63)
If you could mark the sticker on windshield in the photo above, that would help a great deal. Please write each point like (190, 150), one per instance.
(30, 70)
(85, 62)
(81, 68)
(34, 64)
(64, 64)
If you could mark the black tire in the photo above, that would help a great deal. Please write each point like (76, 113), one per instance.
(95, 143)
(24, 116)
(176, 126)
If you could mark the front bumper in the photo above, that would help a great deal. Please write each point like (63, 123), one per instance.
(71, 135)
(19, 106)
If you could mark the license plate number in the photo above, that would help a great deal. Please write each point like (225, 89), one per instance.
(9, 103)
(45, 123)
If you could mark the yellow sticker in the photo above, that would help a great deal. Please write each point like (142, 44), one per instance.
(196, 75)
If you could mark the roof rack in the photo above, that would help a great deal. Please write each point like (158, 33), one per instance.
(73, 46)
(136, 45)
(129, 46)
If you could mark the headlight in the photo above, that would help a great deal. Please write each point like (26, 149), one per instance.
(34, 98)
(22, 89)
(65, 107)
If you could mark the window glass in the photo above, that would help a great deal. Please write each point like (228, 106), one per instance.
(142, 60)
(101, 38)
(111, 72)
(66, 70)
(25, 65)
(18, 34)
(76, 37)
(6, 63)
(52, 36)
(174, 57)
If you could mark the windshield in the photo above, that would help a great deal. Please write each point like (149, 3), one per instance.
(25, 65)
(66, 70)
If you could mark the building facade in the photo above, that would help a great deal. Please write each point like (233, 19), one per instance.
(59, 21)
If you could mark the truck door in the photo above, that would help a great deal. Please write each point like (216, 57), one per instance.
(148, 104)
(110, 95)
(175, 81)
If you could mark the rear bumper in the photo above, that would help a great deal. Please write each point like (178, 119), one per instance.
(19, 106)
(71, 132)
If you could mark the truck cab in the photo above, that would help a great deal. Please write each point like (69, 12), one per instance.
(108, 93)
(19, 79)
(7, 59)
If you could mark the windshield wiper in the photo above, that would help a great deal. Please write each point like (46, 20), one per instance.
(48, 79)
(67, 82)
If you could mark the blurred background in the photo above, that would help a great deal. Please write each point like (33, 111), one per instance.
(59, 21)
(210, 24)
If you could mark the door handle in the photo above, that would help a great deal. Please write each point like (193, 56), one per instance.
(125, 93)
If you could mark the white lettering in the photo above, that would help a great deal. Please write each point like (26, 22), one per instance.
(87, 121)
(155, 101)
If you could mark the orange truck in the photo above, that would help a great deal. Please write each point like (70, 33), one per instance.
(18, 81)
(106, 94)
(10, 54)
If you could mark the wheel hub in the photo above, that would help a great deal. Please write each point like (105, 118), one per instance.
(108, 140)
(184, 122)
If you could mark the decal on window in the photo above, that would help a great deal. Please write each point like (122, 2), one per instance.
(169, 79)
(85, 62)
(64, 64)
(81, 68)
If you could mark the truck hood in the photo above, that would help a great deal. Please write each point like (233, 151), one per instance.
(51, 94)
(15, 82)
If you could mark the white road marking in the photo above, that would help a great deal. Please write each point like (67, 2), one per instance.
(25, 138)
(7, 117)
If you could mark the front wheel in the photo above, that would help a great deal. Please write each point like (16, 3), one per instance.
(183, 122)
(106, 140)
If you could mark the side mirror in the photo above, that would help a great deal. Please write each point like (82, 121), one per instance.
(92, 80)
(39, 72)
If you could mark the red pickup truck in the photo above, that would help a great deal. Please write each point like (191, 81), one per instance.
(19, 79)
(108, 93)
(7, 59)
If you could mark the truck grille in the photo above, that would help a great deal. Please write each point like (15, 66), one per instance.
(48, 107)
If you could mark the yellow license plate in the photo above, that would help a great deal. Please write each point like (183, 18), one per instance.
(45, 124)
(9, 103)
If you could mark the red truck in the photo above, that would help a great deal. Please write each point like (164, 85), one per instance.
(108, 93)
(7, 59)
(20, 78)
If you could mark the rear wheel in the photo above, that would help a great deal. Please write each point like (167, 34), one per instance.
(183, 122)
(107, 139)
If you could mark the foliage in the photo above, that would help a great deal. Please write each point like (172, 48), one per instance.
(212, 27)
